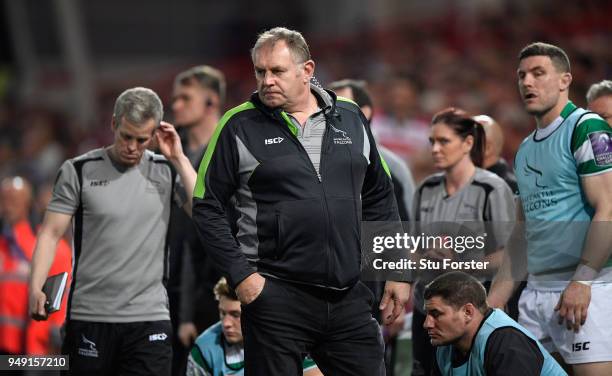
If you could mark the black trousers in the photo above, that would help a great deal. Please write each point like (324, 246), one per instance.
(139, 348)
(287, 321)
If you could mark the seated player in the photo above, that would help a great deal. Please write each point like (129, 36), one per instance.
(473, 339)
(219, 350)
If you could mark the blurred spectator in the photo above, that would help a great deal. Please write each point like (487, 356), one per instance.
(599, 99)
(42, 196)
(197, 100)
(493, 149)
(401, 128)
(40, 152)
(19, 334)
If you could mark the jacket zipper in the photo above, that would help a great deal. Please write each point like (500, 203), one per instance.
(324, 147)
(292, 127)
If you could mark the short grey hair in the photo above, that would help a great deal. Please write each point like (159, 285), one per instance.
(599, 89)
(137, 105)
(294, 40)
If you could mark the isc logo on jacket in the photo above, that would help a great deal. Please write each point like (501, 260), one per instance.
(276, 140)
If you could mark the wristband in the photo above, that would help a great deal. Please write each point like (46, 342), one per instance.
(586, 283)
(585, 275)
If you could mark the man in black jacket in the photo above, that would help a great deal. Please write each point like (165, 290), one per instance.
(302, 169)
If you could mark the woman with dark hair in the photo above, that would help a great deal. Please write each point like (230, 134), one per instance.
(461, 200)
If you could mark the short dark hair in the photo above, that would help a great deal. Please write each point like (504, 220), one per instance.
(205, 76)
(457, 289)
(556, 54)
(361, 96)
(222, 288)
(464, 125)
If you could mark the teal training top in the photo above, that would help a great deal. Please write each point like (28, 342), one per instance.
(211, 355)
(549, 166)
(474, 366)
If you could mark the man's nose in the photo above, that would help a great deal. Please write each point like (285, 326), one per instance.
(527, 81)
(226, 322)
(268, 79)
(132, 145)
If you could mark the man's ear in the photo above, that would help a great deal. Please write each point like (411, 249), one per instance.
(114, 124)
(309, 68)
(469, 311)
(566, 80)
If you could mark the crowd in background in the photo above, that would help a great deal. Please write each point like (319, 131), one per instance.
(413, 70)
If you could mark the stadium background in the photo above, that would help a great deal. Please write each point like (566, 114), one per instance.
(63, 62)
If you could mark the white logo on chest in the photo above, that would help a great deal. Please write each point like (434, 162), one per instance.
(341, 137)
(276, 140)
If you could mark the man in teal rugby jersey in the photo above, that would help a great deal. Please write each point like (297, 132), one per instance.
(564, 176)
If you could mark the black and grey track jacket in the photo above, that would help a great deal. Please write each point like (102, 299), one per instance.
(293, 225)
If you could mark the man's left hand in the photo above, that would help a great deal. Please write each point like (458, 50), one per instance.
(395, 297)
(169, 141)
(573, 305)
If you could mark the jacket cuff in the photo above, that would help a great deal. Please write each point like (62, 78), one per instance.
(237, 275)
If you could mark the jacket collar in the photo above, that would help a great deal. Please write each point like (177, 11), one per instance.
(326, 100)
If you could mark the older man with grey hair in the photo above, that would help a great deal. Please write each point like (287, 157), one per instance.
(302, 169)
(118, 200)
(599, 99)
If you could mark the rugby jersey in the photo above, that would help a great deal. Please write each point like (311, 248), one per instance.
(549, 166)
